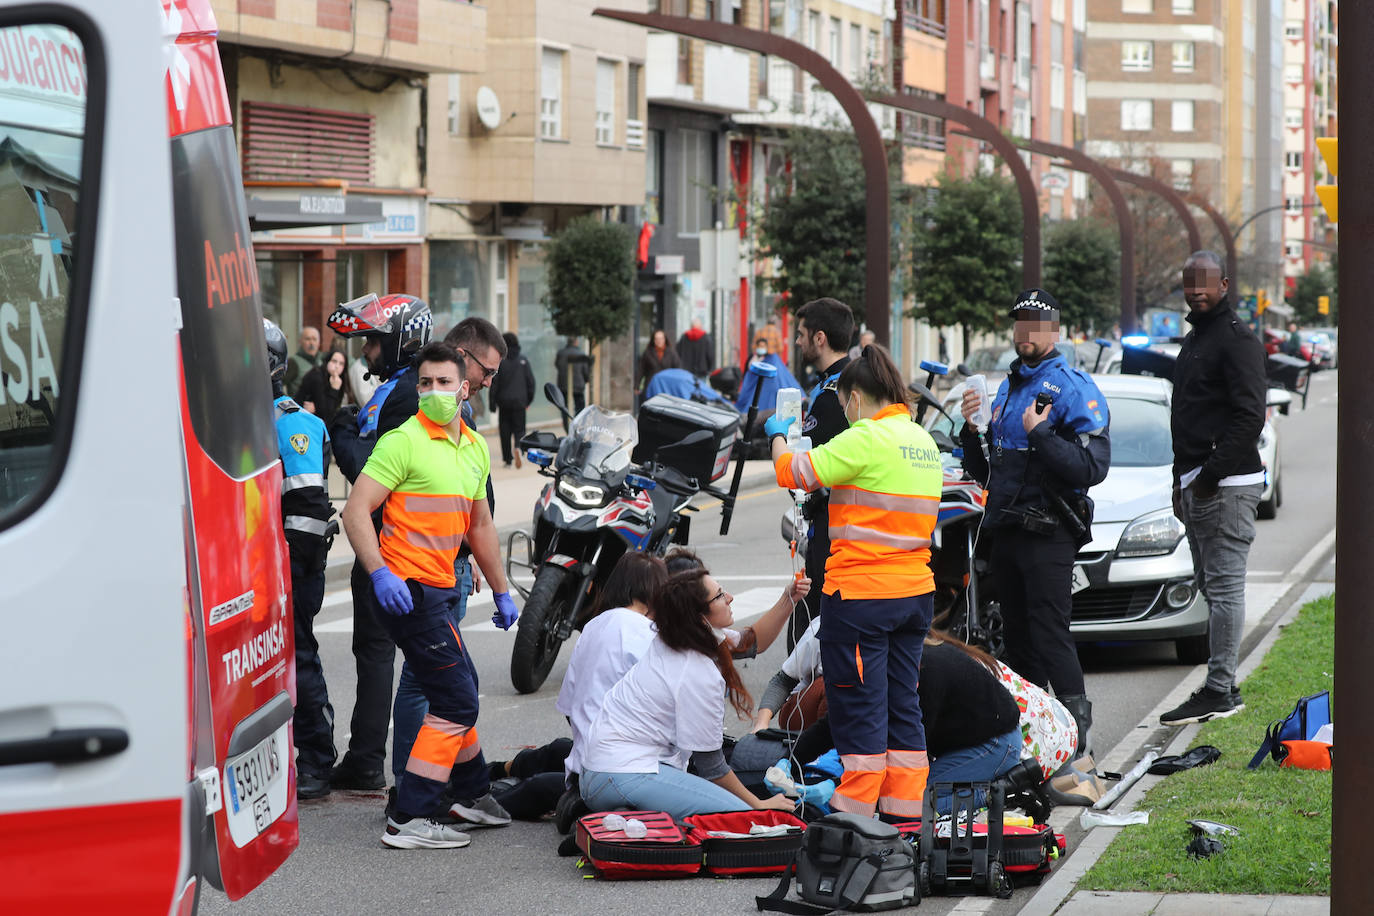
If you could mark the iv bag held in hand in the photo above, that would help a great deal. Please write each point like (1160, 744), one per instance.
(983, 415)
(789, 404)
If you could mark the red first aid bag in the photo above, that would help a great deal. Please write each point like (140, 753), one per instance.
(728, 847)
(666, 851)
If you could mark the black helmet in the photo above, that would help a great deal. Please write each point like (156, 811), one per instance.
(276, 350)
(403, 323)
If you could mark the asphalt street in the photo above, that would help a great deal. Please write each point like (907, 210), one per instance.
(341, 868)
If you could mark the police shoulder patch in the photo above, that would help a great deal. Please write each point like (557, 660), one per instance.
(300, 442)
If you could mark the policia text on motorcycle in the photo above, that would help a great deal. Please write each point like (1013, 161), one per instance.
(1046, 445)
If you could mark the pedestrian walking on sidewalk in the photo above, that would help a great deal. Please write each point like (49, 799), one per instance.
(1040, 461)
(1218, 413)
(512, 392)
(885, 478)
(429, 478)
(307, 517)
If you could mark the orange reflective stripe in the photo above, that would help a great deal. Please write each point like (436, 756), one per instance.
(868, 763)
(874, 536)
(902, 807)
(908, 760)
(904, 786)
(472, 746)
(422, 502)
(888, 502)
(436, 748)
(859, 662)
(434, 541)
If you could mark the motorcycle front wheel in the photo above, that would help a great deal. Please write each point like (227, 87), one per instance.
(536, 640)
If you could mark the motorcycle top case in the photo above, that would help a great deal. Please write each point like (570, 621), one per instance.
(664, 420)
(665, 851)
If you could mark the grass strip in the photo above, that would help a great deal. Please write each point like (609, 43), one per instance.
(1284, 815)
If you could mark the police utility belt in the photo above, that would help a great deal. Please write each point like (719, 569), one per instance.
(1074, 513)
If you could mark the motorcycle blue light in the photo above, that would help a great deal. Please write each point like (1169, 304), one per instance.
(543, 459)
(641, 482)
(1135, 341)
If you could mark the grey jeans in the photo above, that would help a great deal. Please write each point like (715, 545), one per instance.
(1220, 530)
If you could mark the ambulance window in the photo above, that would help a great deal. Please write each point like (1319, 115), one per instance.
(45, 245)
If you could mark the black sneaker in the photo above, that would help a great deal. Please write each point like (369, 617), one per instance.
(346, 777)
(1204, 705)
(391, 803)
(309, 786)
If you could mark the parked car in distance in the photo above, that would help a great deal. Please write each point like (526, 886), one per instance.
(1332, 337)
(1276, 341)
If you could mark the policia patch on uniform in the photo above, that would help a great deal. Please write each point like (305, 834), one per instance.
(300, 442)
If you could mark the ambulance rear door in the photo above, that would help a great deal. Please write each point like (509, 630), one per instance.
(94, 654)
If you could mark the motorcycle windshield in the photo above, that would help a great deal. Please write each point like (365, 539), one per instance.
(599, 440)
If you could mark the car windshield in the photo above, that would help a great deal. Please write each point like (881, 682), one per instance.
(599, 440)
(1140, 433)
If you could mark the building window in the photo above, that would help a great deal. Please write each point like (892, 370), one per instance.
(874, 55)
(684, 61)
(1137, 55)
(455, 86)
(632, 74)
(836, 45)
(1021, 118)
(1181, 172)
(1292, 73)
(1292, 160)
(1181, 116)
(698, 169)
(653, 178)
(1023, 46)
(1292, 203)
(1292, 249)
(551, 94)
(1293, 30)
(1057, 10)
(605, 102)
(1292, 117)
(813, 31)
(1183, 7)
(1056, 87)
(1183, 56)
(1137, 114)
(1080, 93)
(856, 53)
(1137, 6)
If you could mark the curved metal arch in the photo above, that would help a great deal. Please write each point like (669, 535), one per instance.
(1172, 197)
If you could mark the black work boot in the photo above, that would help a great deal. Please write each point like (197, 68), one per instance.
(1076, 782)
(1082, 711)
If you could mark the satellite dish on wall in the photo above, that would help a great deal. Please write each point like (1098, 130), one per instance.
(488, 108)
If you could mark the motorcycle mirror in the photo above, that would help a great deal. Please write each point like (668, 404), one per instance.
(942, 440)
(555, 397)
(964, 370)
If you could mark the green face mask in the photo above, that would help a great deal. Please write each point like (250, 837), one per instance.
(439, 406)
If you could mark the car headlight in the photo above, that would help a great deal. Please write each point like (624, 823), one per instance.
(1153, 535)
(584, 495)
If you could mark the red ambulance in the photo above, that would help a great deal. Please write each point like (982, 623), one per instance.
(146, 663)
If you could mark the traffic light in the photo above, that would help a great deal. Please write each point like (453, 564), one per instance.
(1261, 302)
(1327, 192)
(1324, 305)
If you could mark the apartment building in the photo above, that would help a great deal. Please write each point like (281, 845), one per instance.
(551, 128)
(1192, 83)
(1309, 98)
(328, 102)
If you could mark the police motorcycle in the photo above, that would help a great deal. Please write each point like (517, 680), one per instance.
(598, 505)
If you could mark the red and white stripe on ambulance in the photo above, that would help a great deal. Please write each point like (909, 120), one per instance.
(147, 676)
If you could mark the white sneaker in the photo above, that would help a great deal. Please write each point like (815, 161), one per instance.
(423, 833)
(482, 812)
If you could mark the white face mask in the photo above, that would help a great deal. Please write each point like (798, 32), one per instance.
(721, 635)
(760, 351)
(853, 399)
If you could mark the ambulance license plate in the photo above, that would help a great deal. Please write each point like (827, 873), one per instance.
(255, 786)
(1079, 581)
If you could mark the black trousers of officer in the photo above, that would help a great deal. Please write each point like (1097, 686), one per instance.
(1034, 581)
(314, 716)
(374, 651)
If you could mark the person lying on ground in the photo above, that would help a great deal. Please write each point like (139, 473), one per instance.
(670, 707)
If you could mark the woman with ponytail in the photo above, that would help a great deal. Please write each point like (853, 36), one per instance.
(670, 707)
(884, 478)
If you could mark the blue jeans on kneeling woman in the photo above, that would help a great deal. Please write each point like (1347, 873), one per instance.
(980, 763)
(675, 791)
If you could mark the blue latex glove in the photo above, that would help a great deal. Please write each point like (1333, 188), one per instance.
(778, 426)
(392, 593)
(505, 613)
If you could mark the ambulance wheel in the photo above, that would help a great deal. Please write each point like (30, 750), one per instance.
(536, 640)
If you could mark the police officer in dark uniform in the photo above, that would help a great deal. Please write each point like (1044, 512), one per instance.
(824, 329)
(307, 516)
(1046, 445)
(394, 328)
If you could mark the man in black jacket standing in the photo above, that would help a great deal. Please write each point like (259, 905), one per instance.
(512, 392)
(1218, 413)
